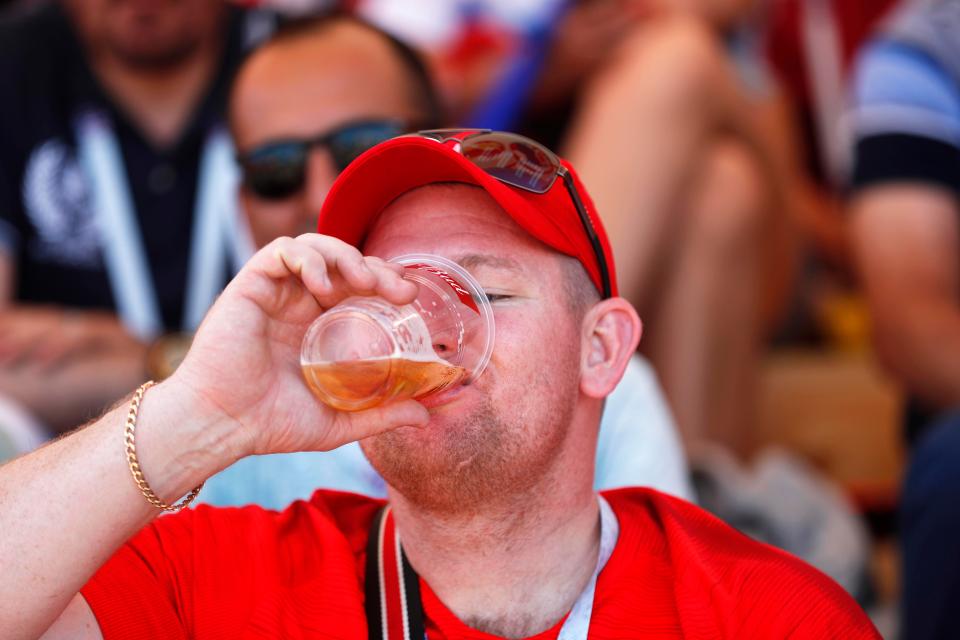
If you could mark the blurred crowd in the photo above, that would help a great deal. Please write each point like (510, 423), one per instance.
(747, 158)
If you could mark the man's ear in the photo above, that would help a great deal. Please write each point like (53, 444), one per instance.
(611, 333)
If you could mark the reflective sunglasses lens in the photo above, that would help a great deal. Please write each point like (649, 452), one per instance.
(514, 160)
(275, 171)
(348, 143)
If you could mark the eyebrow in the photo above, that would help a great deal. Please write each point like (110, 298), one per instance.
(474, 260)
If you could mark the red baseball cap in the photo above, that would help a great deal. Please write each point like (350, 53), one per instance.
(392, 168)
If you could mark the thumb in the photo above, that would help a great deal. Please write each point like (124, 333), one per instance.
(362, 424)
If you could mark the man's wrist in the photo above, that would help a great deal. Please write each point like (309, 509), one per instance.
(181, 440)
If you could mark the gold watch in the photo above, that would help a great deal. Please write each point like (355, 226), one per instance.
(166, 353)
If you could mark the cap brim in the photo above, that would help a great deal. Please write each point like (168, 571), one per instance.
(389, 170)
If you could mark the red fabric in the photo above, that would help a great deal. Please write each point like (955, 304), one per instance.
(390, 169)
(391, 577)
(854, 21)
(249, 573)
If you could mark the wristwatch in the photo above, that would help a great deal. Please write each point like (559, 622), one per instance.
(166, 353)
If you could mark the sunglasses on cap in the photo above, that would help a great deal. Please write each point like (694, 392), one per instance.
(277, 169)
(525, 164)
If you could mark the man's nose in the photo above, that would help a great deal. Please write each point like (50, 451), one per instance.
(320, 174)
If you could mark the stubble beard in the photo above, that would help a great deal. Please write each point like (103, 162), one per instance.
(480, 460)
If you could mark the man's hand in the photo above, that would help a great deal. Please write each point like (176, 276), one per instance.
(586, 38)
(47, 338)
(244, 364)
(66, 365)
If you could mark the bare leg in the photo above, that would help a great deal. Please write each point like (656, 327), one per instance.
(704, 335)
(638, 138)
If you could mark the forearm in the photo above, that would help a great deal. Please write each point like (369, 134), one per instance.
(905, 239)
(922, 350)
(761, 125)
(66, 365)
(67, 507)
(77, 390)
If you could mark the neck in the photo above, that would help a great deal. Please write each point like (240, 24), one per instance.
(159, 101)
(513, 570)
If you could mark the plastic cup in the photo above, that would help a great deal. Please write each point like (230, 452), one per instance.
(366, 351)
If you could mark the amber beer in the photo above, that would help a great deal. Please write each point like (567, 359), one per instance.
(355, 385)
(366, 351)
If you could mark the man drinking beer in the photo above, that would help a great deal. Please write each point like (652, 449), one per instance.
(491, 528)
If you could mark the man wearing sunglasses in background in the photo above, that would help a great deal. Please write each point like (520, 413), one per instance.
(491, 528)
(305, 104)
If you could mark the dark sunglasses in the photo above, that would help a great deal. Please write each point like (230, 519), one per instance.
(523, 163)
(277, 169)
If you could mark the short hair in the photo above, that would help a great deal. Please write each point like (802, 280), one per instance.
(578, 288)
(423, 91)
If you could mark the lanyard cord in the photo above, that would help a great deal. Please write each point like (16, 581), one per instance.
(393, 605)
(125, 257)
(392, 588)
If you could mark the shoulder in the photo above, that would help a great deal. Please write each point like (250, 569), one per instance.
(327, 514)
(250, 540)
(227, 566)
(896, 73)
(905, 118)
(731, 585)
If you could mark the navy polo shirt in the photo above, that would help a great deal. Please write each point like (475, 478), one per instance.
(47, 222)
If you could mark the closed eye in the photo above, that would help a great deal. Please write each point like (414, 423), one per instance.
(496, 297)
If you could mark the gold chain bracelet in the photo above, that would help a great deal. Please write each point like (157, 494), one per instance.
(131, 447)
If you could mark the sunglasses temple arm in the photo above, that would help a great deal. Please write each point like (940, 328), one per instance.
(591, 232)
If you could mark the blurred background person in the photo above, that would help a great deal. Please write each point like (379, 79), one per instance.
(811, 45)
(116, 186)
(905, 219)
(313, 98)
(299, 116)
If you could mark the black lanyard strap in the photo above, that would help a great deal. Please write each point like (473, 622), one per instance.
(392, 603)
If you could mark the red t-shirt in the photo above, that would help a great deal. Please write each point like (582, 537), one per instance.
(250, 573)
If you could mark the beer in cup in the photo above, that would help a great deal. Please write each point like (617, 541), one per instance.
(366, 351)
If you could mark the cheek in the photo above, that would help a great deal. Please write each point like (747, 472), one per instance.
(534, 345)
(269, 221)
(321, 173)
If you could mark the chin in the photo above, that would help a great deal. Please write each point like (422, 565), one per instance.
(463, 460)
